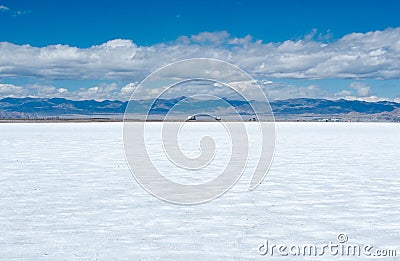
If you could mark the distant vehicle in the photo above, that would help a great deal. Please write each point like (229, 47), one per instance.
(191, 118)
(195, 117)
(253, 119)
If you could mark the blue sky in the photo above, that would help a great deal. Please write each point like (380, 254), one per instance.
(87, 28)
(87, 23)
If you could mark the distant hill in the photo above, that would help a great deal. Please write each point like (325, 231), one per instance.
(322, 106)
(291, 108)
(60, 106)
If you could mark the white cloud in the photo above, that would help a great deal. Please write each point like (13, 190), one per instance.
(61, 61)
(10, 90)
(281, 91)
(4, 8)
(342, 94)
(371, 98)
(103, 91)
(213, 38)
(369, 55)
(114, 91)
(128, 89)
(372, 55)
(363, 90)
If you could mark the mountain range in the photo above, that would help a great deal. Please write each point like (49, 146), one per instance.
(300, 108)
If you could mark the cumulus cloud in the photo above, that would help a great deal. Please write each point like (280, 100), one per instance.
(109, 60)
(128, 89)
(10, 90)
(342, 94)
(215, 38)
(372, 55)
(103, 91)
(362, 89)
(115, 91)
(372, 98)
(358, 55)
(282, 91)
